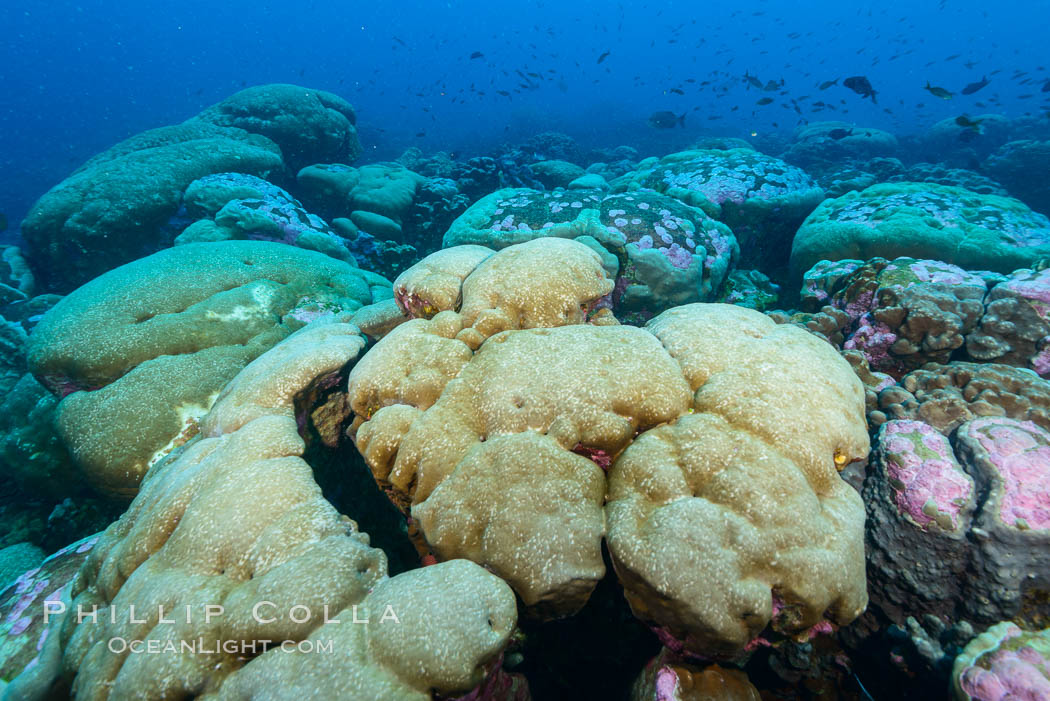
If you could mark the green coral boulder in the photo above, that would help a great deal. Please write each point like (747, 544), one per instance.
(761, 198)
(923, 220)
(139, 354)
(120, 204)
(661, 252)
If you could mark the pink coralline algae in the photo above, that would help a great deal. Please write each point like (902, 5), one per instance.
(22, 629)
(928, 483)
(1004, 664)
(1019, 451)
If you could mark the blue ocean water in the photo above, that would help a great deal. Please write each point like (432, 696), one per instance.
(78, 76)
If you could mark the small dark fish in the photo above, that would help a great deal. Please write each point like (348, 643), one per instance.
(967, 123)
(477, 54)
(839, 133)
(752, 80)
(421, 134)
(676, 91)
(860, 85)
(828, 83)
(1046, 87)
(764, 101)
(666, 120)
(3, 222)
(938, 92)
(974, 87)
(603, 56)
(504, 93)
(771, 86)
(400, 42)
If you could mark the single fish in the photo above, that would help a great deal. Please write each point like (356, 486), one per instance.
(676, 91)
(1046, 87)
(938, 92)
(967, 123)
(828, 83)
(764, 101)
(974, 87)
(839, 133)
(860, 85)
(666, 120)
(604, 56)
(3, 222)
(477, 54)
(752, 80)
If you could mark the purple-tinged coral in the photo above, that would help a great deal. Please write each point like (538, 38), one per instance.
(927, 482)
(761, 198)
(662, 252)
(1015, 458)
(1005, 663)
(923, 220)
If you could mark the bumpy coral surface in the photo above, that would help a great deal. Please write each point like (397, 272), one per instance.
(240, 206)
(901, 313)
(308, 125)
(235, 518)
(495, 432)
(140, 353)
(1005, 662)
(661, 252)
(960, 529)
(1015, 327)
(946, 396)
(923, 220)
(761, 198)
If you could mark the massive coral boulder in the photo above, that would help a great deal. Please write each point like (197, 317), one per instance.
(139, 354)
(1015, 326)
(961, 146)
(818, 144)
(761, 198)
(660, 251)
(230, 206)
(493, 417)
(117, 206)
(235, 518)
(308, 125)
(704, 512)
(1021, 167)
(900, 314)
(1004, 662)
(390, 215)
(922, 220)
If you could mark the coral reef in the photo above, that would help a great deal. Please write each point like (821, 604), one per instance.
(1004, 662)
(138, 355)
(660, 251)
(592, 399)
(74, 233)
(235, 516)
(761, 198)
(921, 220)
